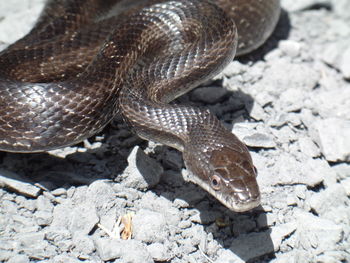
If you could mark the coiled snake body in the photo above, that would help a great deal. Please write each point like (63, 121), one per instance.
(81, 65)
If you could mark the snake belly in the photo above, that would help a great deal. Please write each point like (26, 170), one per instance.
(82, 64)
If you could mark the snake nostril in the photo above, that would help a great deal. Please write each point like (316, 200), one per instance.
(242, 197)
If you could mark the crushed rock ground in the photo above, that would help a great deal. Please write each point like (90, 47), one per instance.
(289, 102)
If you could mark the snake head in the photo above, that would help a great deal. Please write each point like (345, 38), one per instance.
(227, 172)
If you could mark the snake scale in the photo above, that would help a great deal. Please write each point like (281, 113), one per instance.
(82, 64)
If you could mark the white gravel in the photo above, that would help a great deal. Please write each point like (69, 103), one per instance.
(289, 101)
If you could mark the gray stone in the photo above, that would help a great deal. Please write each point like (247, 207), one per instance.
(44, 204)
(317, 234)
(143, 172)
(291, 100)
(242, 224)
(266, 219)
(82, 217)
(43, 218)
(139, 253)
(5, 255)
(298, 255)
(235, 68)
(279, 232)
(59, 192)
(30, 239)
(284, 134)
(151, 201)
(289, 171)
(172, 160)
(103, 196)
(256, 111)
(64, 259)
(34, 247)
(345, 63)
(346, 185)
(18, 184)
(300, 191)
(9, 206)
(19, 259)
(342, 170)
(332, 197)
(332, 135)
(125, 250)
(332, 53)
(341, 7)
(253, 245)
(109, 249)
(253, 135)
(227, 256)
(333, 257)
(317, 169)
(308, 147)
(332, 102)
(159, 252)
(60, 237)
(259, 140)
(83, 244)
(290, 48)
(149, 226)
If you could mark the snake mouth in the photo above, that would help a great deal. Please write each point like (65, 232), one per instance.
(237, 201)
(237, 205)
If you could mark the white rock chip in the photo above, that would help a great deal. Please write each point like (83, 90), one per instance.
(308, 147)
(326, 201)
(19, 259)
(332, 135)
(317, 235)
(290, 48)
(346, 185)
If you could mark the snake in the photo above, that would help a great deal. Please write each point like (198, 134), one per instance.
(85, 62)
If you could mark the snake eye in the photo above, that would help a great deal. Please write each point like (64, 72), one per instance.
(215, 182)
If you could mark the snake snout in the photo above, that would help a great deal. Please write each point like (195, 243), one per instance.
(239, 189)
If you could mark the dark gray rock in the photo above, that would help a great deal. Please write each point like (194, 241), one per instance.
(143, 172)
(209, 95)
(15, 183)
(332, 136)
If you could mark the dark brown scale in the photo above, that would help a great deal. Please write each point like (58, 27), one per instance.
(81, 65)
